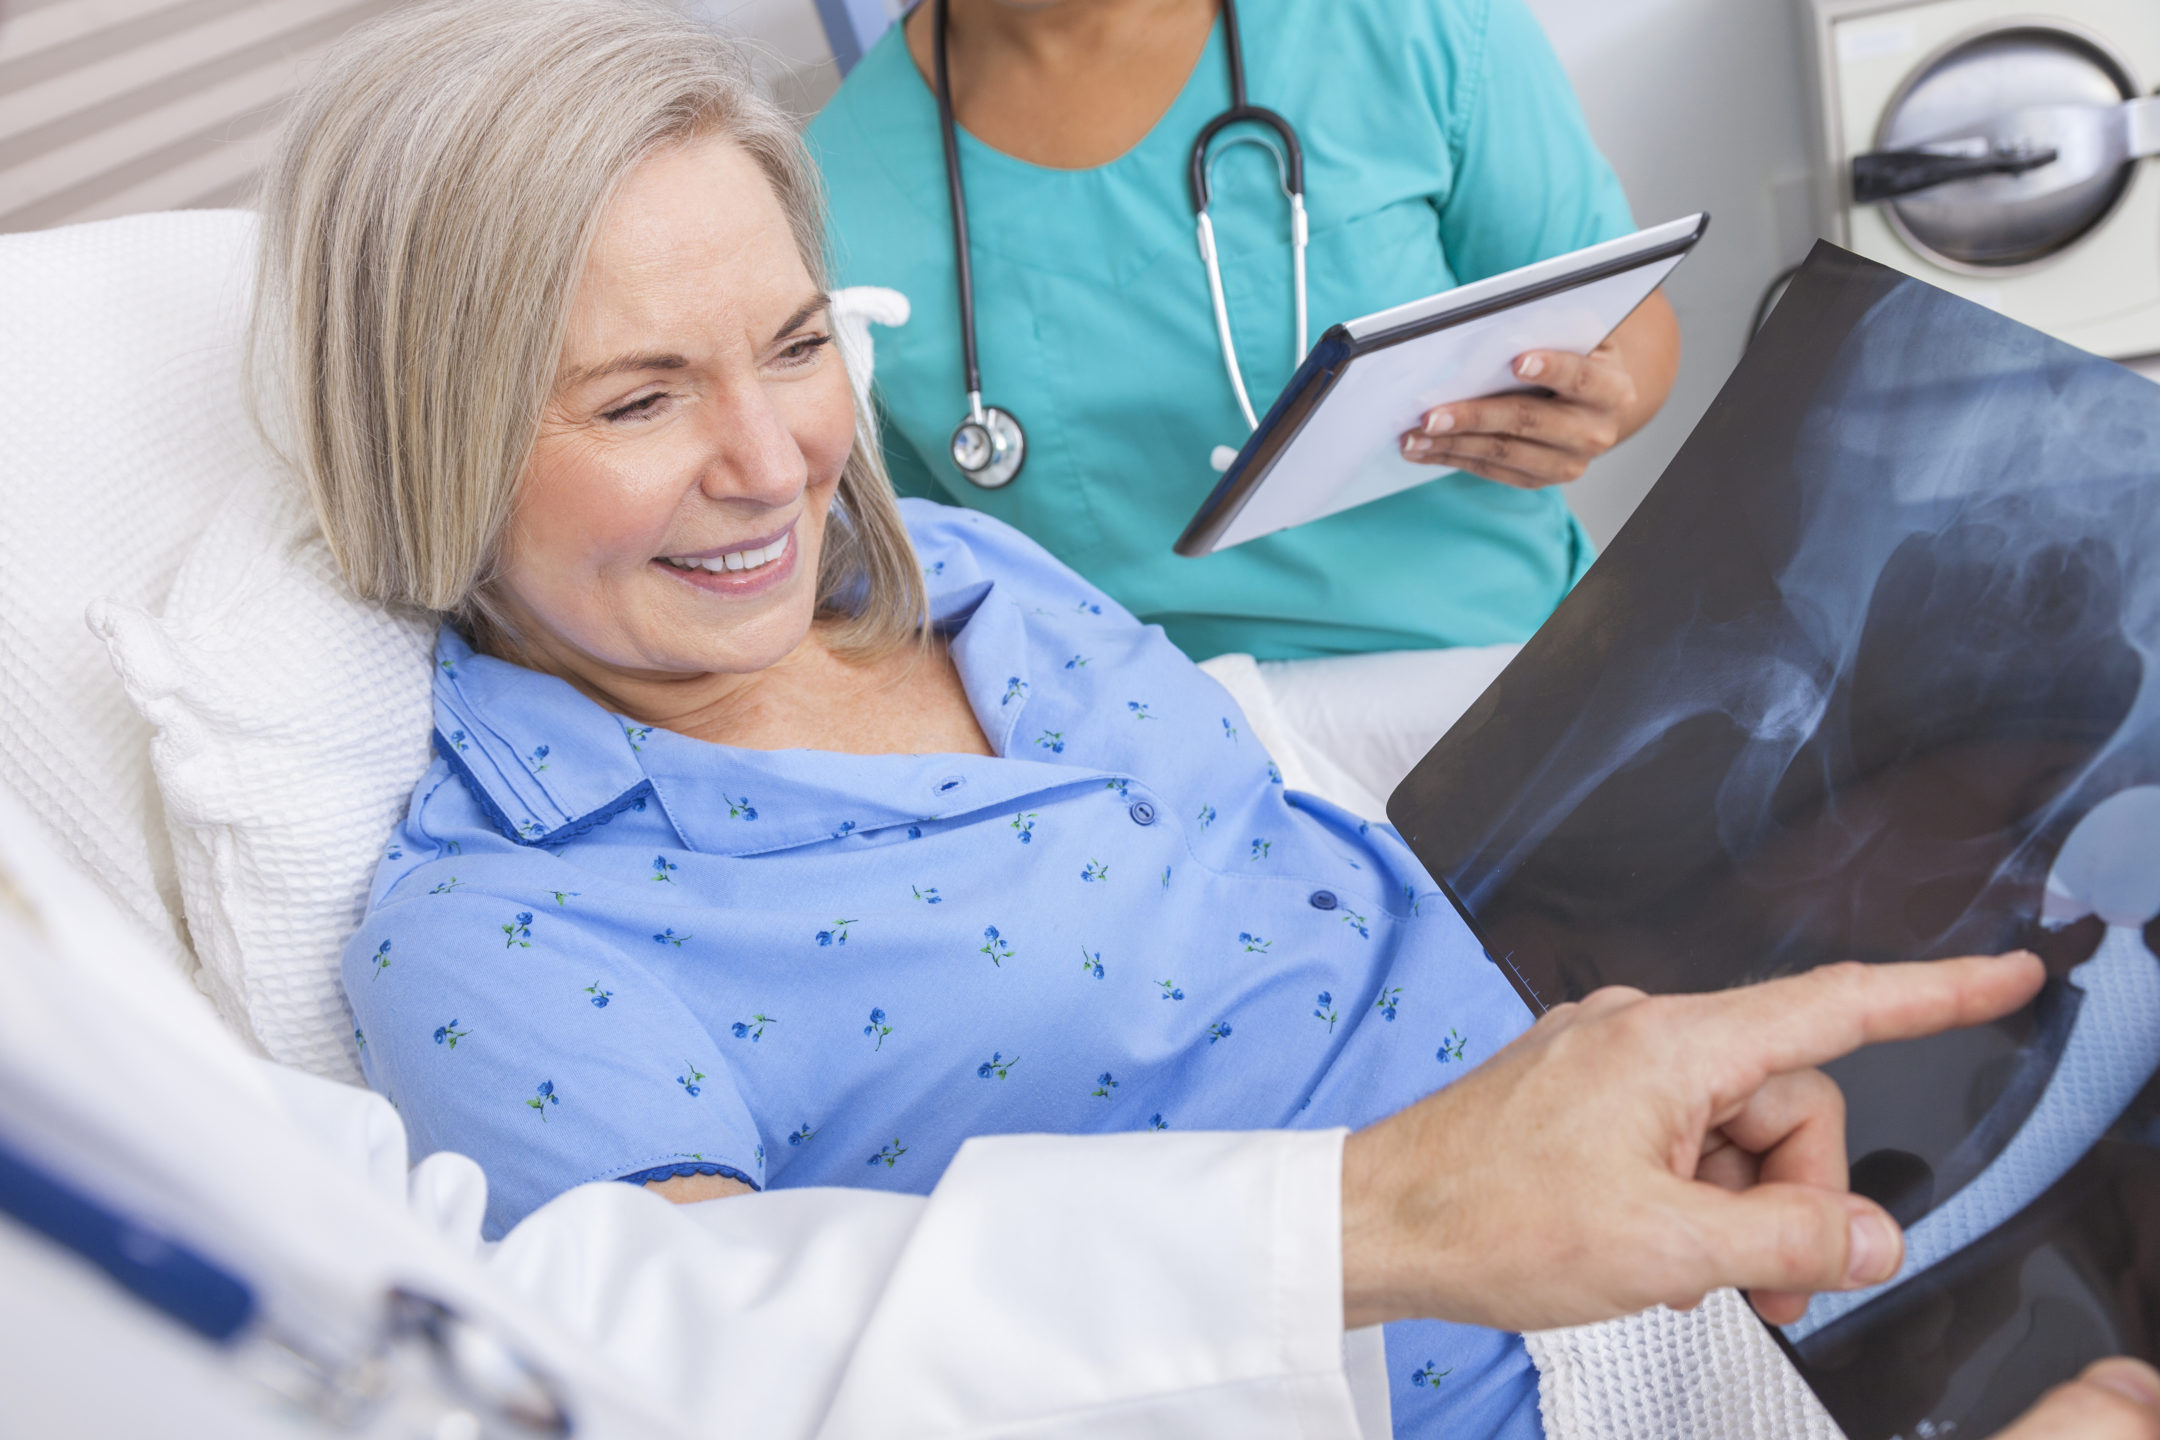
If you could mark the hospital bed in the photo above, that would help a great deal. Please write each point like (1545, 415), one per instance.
(213, 735)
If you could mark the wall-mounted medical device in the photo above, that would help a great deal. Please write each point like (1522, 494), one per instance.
(2000, 150)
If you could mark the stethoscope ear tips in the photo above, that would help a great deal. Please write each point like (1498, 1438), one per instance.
(990, 450)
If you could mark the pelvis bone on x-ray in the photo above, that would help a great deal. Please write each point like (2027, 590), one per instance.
(1872, 674)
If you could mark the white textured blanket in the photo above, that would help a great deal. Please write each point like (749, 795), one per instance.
(1712, 1373)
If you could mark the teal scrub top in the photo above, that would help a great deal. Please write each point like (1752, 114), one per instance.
(1442, 143)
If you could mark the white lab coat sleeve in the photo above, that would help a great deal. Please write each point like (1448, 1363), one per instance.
(1130, 1285)
(1140, 1284)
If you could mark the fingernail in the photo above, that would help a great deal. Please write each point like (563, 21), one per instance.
(2134, 1382)
(2015, 960)
(1439, 422)
(1530, 367)
(1416, 446)
(1871, 1248)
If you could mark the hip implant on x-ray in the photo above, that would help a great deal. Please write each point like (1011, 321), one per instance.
(2099, 1051)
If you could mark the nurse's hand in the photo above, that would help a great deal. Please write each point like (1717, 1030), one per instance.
(1633, 1150)
(1595, 401)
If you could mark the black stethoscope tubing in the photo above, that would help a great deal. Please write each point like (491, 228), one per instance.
(963, 264)
(1240, 111)
(989, 446)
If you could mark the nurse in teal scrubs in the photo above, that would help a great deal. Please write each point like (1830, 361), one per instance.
(1442, 144)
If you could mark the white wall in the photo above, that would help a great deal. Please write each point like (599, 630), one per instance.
(1699, 105)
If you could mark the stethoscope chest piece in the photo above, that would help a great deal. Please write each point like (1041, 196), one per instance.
(989, 447)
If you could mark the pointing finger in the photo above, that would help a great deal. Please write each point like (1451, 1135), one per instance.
(1806, 1020)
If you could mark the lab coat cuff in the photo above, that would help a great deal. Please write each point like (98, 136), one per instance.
(1139, 1284)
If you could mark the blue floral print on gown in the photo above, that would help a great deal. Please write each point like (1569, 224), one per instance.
(661, 951)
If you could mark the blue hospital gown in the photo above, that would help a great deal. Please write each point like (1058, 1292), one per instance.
(600, 950)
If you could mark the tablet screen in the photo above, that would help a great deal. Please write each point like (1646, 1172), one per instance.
(1348, 452)
(1331, 441)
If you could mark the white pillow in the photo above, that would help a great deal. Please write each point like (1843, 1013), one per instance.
(119, 422)
(293, 720)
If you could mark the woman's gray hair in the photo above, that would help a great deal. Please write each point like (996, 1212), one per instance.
(425, 224)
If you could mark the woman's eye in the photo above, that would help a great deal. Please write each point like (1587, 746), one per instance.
(636, 409)
(800, 351)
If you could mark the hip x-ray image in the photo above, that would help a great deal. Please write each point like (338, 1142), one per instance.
(1871, 675)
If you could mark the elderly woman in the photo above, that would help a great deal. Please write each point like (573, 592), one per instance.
(781, 834)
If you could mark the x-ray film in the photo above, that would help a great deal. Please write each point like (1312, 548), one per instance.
(1872, 675)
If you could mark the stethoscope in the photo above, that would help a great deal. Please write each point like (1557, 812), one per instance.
(989, 445)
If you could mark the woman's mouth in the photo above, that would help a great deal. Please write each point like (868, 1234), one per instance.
(741, 569)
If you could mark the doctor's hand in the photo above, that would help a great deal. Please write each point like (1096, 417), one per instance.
(1531, 440)
(1635, 1150)
(2113, 1400)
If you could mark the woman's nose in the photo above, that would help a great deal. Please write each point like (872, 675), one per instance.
(752, 454)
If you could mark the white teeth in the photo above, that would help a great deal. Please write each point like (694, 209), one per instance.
(737, 559)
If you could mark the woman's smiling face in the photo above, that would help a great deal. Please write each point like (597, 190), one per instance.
(671, 517)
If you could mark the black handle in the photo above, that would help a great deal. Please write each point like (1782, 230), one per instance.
(1887, 174)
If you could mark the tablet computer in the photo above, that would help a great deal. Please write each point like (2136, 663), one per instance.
(1332, 439)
